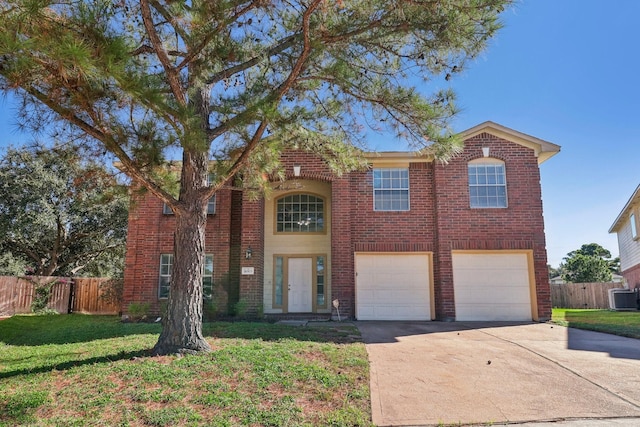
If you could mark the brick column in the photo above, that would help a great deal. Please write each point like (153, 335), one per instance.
(252, 235)
(342, 274)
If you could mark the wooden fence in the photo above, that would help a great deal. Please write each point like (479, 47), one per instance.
(582, 295)
(80, 295)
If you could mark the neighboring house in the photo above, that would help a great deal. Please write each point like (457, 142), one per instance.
(627, 227)
(408, 239)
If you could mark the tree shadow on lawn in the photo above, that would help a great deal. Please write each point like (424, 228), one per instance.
(48, 334)
(77, 328)
(326, 332)
(68, 329)
(63, 366)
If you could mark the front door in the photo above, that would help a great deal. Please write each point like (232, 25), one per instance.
(300, 285)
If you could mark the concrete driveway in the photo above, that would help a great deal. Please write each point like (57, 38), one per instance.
(443, 373)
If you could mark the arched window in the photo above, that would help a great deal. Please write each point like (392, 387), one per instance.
(300, 213)
(487, 183)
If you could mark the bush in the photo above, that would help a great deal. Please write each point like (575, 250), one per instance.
(240, 308)
(209, 309)
(111, 291)
(138, 311)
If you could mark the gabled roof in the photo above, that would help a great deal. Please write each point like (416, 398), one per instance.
(634, 200)
(544, 150)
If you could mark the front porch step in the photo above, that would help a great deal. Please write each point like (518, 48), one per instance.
(302, 317)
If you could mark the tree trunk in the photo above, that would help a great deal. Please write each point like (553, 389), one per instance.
(182, 323)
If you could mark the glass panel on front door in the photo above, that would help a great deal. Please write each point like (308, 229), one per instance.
(320, 288)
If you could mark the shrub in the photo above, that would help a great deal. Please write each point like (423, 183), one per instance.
(111, 291)
(138, 311)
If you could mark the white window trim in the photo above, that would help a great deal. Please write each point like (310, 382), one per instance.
(488, 161)
(211, 204)
(205, 275)
(633, 220)
(211, 207)
(407, 189)
(167, 259)
(320, 229)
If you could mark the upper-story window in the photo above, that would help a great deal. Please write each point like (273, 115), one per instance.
(300, 213)
(634, 225)
(487, 183)
(391, 189)
(211, 205)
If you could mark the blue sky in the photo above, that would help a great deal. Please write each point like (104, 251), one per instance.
(565, 71)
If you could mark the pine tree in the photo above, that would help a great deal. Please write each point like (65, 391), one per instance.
(229, 84)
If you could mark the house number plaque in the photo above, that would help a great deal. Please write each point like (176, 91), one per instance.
(247, 271)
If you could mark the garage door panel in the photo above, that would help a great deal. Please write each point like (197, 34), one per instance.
(490, 286)
(497, 312)
(493, 296)
(393, 297)
(483, 261)
(391, 312)
(393, 287)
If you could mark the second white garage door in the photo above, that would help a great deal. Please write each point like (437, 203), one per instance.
(393, 286)
(492, 286)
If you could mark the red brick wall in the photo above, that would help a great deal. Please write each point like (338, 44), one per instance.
(632, 276)
(401, 231)
(150, 233)
(519, 226)
(342, 268)
(252, 235)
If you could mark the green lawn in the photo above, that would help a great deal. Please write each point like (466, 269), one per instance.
(76, 370)
(624, 323)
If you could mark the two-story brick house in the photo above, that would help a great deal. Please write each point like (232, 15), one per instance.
(408, 239)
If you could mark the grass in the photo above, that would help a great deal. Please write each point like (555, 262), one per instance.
(624, 323)
(77, 370)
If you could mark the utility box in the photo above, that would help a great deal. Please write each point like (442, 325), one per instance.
(623, 299)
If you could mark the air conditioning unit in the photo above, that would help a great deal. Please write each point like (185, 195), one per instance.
(623, 299)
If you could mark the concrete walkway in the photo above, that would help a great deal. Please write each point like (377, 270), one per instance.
(471, 373)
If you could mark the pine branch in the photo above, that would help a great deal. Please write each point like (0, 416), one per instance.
(173, 74)
(282, 89)
(128, 165)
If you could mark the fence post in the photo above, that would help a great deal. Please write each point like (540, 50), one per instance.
(72, 292)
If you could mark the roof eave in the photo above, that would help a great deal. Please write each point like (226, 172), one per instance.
(635, 198)
(544, 150)
(392, 157)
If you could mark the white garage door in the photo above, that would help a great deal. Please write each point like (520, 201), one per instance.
(393, 287)
(492, 286)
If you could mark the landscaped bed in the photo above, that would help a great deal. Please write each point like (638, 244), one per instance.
(624, 323)
(95, 370)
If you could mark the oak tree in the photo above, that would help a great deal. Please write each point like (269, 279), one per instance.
(228, 85)
(60, 214)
